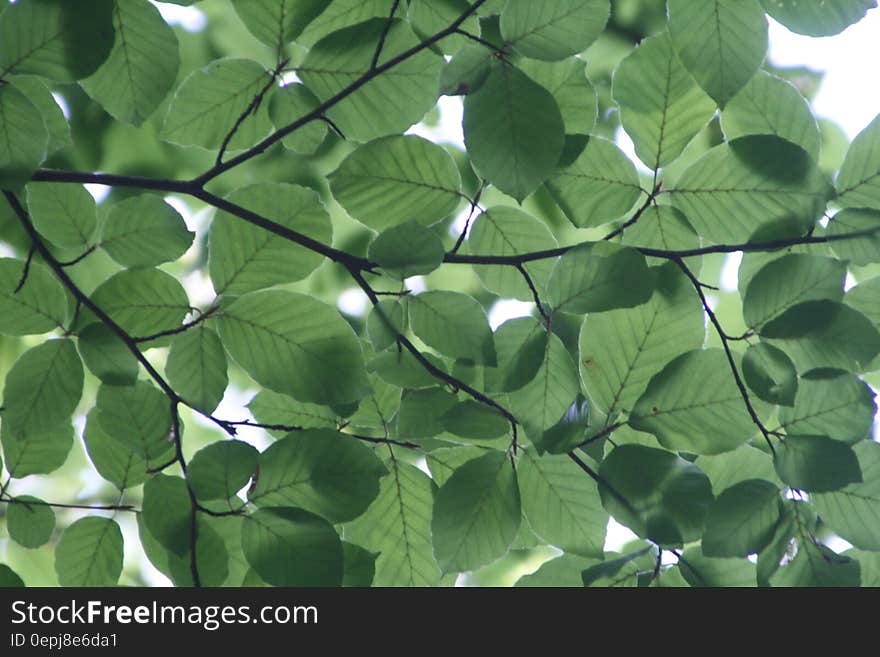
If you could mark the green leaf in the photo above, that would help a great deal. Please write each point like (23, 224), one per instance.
(142, 66)
(321, 471)
(597, 185)
(245, 257)
(621, 572)
(815, 17)
(274, 332)
(408, 249)
(599, 276)
(90, 553)
(378, 407)
(196, 368)
(838, 405)
(431, 16)
(288, 104)
(770, 374)
(858, 183)
(167, 512)
(562, 505)
(815, 565)
(343, 13)
(865, 297)
(859, 250)
(730, 468)
(792, 279)
(721, 42)
(220, 470)
(209, 102)
(55, 39)
(422, 412)
(476, 514)
(64, 214)
(23, 137)
(553, 30)
(825, 334)
(274, 408)
(693, 391)
(513, 130)
(443, 462)
(816, 464)
(144, 231)
(622, 349)
(38, 307)
(400, 368)
(543, 401)
(29, 521)
(277, 22)
(388, 103)
(9, 578)
(521, 345)
(41, 97)
(661, 107)
(113, 459)
(454, 324)
(474, 420)
(142, 302)
(702, 571)
(853, 512)
(563, 571)
(36, 452)
(574, 93)
(107, 356)
(212, 555)
(397, 525)
(742, 519)
(360, 566)
(385, 322)
(466, 71)
(138, 416)
(736, 187)
(769, 105)
(395, 179)
(212, 559)
(655, 493)
(507, 231)
(42, 388)
(287, 546)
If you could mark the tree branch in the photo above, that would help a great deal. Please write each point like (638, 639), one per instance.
(746, 247)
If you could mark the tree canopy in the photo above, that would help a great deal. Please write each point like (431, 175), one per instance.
(249, 293)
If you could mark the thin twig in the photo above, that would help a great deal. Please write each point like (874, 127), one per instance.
(292, 427)
(82, 256)
(25, 269)
(432, 369)
(638, 215)
(725, 342)
(488, 44)
(180, 329)
(467, 223)
(60, 505)
(385, 30)
(252, 107)
(537, 297)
